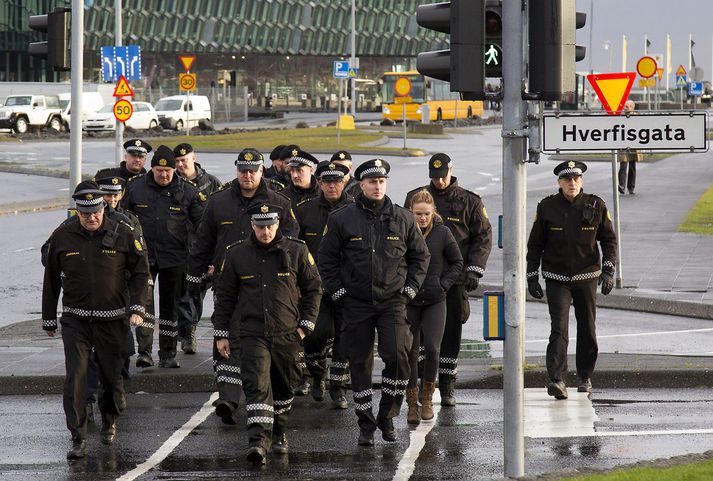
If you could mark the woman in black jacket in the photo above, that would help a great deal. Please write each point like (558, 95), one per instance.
(427, 311)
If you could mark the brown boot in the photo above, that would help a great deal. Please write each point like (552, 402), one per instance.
(413, 416)
(427, 396)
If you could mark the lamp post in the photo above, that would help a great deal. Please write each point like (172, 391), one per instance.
(607, 46)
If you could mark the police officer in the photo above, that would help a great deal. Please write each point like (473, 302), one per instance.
(277, 169)
(272, 281)
(111, 182)
(373, 259)
(464, 213)
(225, 222)
(190, 309)
(135, 151)
(90, 260)
(303, 185)
(165, 205)
(564, 239)
(282, 154)
(345, 158)
(312, 216)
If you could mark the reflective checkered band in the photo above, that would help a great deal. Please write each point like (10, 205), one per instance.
(373, 170)
(448, 366)
(283, 402)
(364, 393)
(95, 201)
(314, 362)
(302, 365)
(193, 279)
(476, 269)
(362, 407)
(94, 313)
(113, 187)
(228, 380)
(265, 216)
(448, 372)
(307, 324)
(393, 386)
(608, 264)
(577, 277)
(283, 405)
(533, 274)
(302, 160)
(167, 322)
(252, 163)
(49, 323)
(336, 174)
(282, 410)
(164, 332)
(260, 420)
(448, 360)
(340, 365)
(137, 308)
(408, 290)
(259, 407)
(338, 378)
(228, 368)
(421, 358)
(221, 334)
(147, 325)
(339, 294)
(575, 170)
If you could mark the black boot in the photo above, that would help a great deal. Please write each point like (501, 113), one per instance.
(227, 412)
(366, 437)
(279, 444)
(387, 428)
(256, 455)
(318, 389)
(339, 399)
(108, 432)
(79, 449)
(447, 386)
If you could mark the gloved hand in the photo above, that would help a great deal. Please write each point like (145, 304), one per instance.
(471, 281)
(534, 288)
(606, 279)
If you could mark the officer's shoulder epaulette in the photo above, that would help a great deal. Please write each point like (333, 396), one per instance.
(126, 224)
(221, 189)
(230, 246)
(137, 176)
(276, 183)
(187, 181)
(295, 239)
(304, 201)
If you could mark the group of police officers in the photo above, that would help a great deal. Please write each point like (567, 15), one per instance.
(307, 260)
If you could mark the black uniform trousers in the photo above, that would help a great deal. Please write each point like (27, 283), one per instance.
(108, 340)
(327, 334)
(457, 312)
(394, 338)
(190, 311)
(170, 288)
(627, 180)
(270, 375)
(559, 297)
(227, 371)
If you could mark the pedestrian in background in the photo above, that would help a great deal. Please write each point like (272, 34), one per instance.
(568, 225)
(628, 159)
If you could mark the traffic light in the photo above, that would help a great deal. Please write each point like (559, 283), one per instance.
(56, 49)
(463, 65)
(553, 51)
(494, 39)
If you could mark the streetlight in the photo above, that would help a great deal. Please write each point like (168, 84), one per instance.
(607, 46)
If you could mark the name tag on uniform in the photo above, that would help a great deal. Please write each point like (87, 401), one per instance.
(227, 222)
(453, 219)
(244, 278)
(393, 237)
(354, 239)
(283, 274)
(588, 228)
(311, 233)
(556, 228)
(71, 254)
(143, 206)
(174, 209)
(109, 251)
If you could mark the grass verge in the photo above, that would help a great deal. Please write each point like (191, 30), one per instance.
(702, 471)
(700, 219)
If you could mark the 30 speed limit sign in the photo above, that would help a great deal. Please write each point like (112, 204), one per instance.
(123, 110)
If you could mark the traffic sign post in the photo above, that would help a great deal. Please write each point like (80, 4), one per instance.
(681, 81)
(123, 110)
(187, 82)
(402, 91)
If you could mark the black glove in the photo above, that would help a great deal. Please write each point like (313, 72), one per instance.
(534, 288)
(606, 279)
(471, 281)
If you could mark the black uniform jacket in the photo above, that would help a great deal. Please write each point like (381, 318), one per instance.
(297, 194)
(372, 254)
(312, 216)
(205, 182)
(126, 173)
(226, 221)
(464, 214)
(268, 289)
(91, 269)
(164, 213)
(564, 237)
(445, 266)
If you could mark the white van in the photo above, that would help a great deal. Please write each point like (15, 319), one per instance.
(176, 111)
(92, 102)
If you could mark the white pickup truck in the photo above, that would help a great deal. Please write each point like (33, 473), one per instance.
(22, 112)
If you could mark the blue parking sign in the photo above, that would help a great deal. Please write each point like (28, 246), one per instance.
(695, 88)
(341, 69)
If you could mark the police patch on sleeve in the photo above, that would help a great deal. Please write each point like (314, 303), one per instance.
(325, 230)
(202, 196)
(137, 244)
(485, 212)
(609, 215)
(292, 213)
(311, 259)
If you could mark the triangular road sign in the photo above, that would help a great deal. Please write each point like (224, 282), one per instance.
(122, 88)
(680, 71)
(681, 81)
(187, 61)
(612, 89)
(352, 73)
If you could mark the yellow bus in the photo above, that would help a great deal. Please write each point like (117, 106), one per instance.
(443, 104)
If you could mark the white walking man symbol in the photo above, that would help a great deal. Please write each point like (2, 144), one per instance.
(491, 56)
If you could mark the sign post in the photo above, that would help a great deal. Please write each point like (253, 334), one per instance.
(187, 82)
(341, 70)
(646, 67)
(681, 81)
(402, 89)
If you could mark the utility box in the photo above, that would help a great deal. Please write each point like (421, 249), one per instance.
(494, 316)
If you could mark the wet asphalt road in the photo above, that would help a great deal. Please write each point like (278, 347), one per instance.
(464, 443)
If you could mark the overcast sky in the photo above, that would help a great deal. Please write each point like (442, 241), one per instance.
(655, 18)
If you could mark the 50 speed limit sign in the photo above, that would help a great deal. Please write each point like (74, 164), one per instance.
(123, 110)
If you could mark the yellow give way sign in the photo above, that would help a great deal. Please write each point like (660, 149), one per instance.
(187, 81)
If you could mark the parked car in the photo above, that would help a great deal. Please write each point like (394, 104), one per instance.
(22, 112)
(176, 111)
(144, 117)
(92, 102)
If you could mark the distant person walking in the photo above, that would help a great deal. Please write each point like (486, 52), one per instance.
(628, 160)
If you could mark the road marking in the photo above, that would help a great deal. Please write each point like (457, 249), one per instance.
(606, 434)
(417, 440)
(636, 334)
(171, 443)
(546, 417)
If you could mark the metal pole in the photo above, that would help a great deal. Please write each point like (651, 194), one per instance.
(188, 110)
(118, 34)
(353, 37)
(404, 122)
(245, 103)
(514, 202)
(339, 112)
(77, 62)
(617, 225)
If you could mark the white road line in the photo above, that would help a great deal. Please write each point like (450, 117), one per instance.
(635, 334)
(547, 418)
(672, 432)
(417, 440)
(171, 443)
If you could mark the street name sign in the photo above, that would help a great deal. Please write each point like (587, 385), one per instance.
(661, 131)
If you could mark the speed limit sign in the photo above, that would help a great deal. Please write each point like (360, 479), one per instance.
(123, 110)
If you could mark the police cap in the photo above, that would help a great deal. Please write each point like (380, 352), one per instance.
(163, 157)
(570, 168)
(265, 214)
(341, 155)
(88, 197)
(372, 168)
(438, 166)
(299, 157)
(277, 152)
(328, 170)
(182, 149)
(110, 180)
(286, 152)
(137, 147)
(249, 159)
